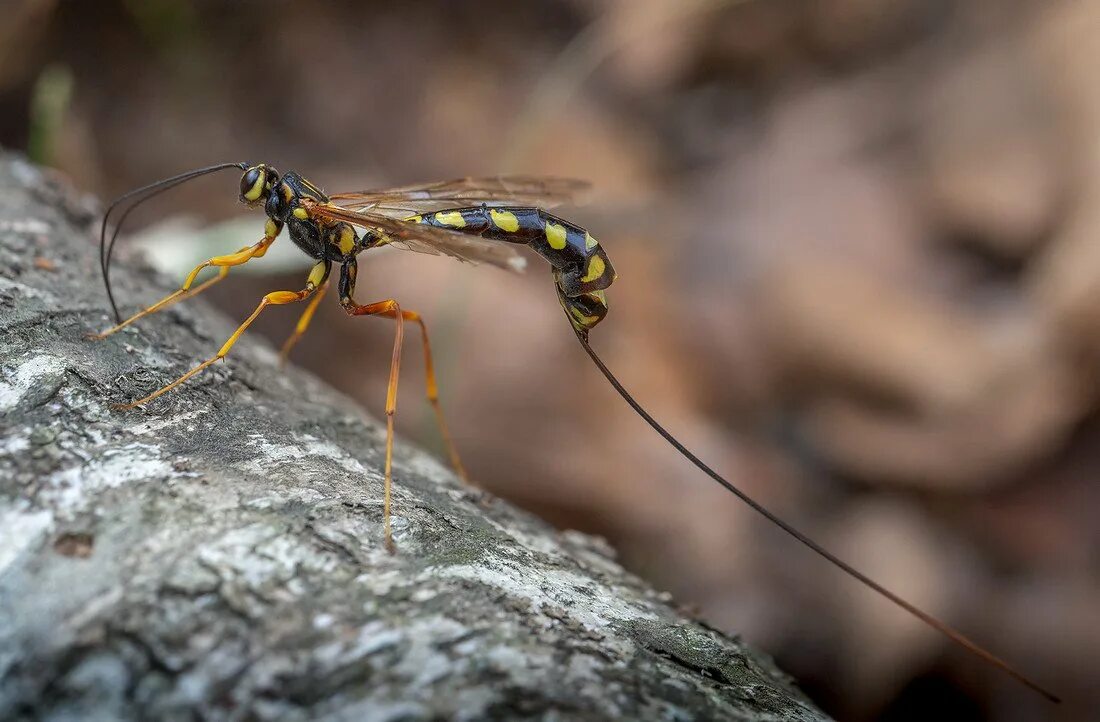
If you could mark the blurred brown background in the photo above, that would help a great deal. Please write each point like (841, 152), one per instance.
(858, 245)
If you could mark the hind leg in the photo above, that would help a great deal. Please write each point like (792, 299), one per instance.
(432, 389)
(390, 308)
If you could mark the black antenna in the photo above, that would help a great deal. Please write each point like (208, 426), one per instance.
(925, 617)
(146, 192)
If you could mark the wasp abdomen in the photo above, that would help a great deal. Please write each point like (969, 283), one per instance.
(582, 269)
(581, 263)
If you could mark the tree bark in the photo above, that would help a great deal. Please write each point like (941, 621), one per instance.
(219, 553)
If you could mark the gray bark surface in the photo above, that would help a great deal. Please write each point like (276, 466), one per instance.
(219, 554)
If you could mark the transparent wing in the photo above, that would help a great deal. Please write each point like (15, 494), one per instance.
(425, 239)
(498, 190)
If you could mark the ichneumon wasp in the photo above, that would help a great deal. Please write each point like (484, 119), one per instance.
(478, 220)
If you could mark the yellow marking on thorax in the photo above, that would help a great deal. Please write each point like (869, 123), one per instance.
(556, 235)
(257, 188)
(271, 229)
(596, 267)
(346, 240)
(286, 191)
(415, 219)
(589, 241)
(504, 220)
(453, 219)
(301, 213)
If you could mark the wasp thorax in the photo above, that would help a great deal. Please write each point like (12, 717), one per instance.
(257, 182)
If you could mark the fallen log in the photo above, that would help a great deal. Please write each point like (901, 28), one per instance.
(219, 553)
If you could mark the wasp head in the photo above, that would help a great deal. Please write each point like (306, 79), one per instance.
(256, 183)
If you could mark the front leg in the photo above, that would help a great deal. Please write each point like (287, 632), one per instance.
(317, 278)
(222, 263)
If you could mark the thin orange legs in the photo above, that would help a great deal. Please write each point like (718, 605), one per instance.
(224, 263)
(318, 275)
(388, 306)
(431, 386)
(391, 309)
(429, 372)
(303, 324)
(433, 391)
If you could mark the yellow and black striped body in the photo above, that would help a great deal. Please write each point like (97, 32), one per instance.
(582, 269)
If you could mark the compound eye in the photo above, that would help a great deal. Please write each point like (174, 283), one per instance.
(252, 184)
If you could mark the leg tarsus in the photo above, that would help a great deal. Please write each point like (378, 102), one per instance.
(387, 529)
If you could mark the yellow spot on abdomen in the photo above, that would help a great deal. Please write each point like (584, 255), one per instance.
(589, 241)
(453, 219)
(301, 213)
(415, 219)
(504, 220)
(556, 235)
(596, 267)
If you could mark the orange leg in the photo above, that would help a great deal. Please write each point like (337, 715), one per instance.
(318, 275)
(373, 309)
(391, 309)
(433, 391)
(303, 324)
(185, 291)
